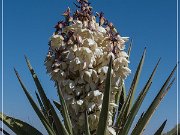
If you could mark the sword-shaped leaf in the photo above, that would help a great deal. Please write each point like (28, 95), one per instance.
(35, 107)
(121, 119)
(160, 130)
(61, 130)
(58, 106)
(139, 120)
(43, 97)
(135, 81)
(138, 103)
(120, 102)
(103, 119)
(40, 91)
(41, 105)
(59, 127)
(65, 113)
(129, 49)
(148, 114)
(87, 130)
(19, 127)
(117, 100)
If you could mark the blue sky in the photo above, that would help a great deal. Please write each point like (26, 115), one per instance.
(29, 24)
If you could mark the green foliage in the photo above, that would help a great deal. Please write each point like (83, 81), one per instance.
(35, 107)
(160, 129)
(87, 131)
(126, 113)
(19, 127)
(122, 116)
(138, 103)
(64, 110)
(103, 119)
(148, 114)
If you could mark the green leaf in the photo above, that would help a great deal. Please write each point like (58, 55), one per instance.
(117, 100)
(65, 113)
(87, 131)
(58, 126)
(19, 127)
(35, 107)
(40, 91)
(123, 94)
(61, 130)
(122, 98)
(103, 119)
(41, 104)
(118, 95)
(138, 103)
(58, 106)
(135, 81)
(129, 49)
(139, 120)
(160, 130)
(121, 119)
(148, 114)
(46, 103)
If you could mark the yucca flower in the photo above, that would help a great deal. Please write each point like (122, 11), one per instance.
(78, 57)
(89, 65)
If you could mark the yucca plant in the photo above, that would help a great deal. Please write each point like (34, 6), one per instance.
(92, 94)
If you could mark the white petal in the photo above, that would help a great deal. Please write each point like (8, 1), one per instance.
(56, 41)
(101, 29)
(111, 131)
(113, 105)
(125, 38)
(87, 76)
(97, 93)
(98, 52)
(91, 106)
(80, 102)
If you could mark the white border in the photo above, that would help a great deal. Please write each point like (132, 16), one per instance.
(2, 64)
(177, 68)
(176, 52)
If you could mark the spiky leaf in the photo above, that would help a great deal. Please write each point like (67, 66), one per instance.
(148, 114)
(129, 49)
(40, 91)
(87, 130)
(135, 81)
(35, 107)
(61, 130)
(117, 100)
(121, 119)
(122, 99)
(19, 127)
(103, 119)
(58, 106)
(65, 113)
(138, 103)
(41, 105)
(160, 130)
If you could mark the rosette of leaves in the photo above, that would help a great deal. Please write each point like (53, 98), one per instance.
(92, 94)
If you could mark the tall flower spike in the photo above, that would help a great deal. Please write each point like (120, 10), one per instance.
(80, 52)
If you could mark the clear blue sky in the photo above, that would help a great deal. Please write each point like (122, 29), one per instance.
(28, 24)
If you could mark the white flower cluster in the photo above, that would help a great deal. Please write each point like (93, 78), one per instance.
(80, 65)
